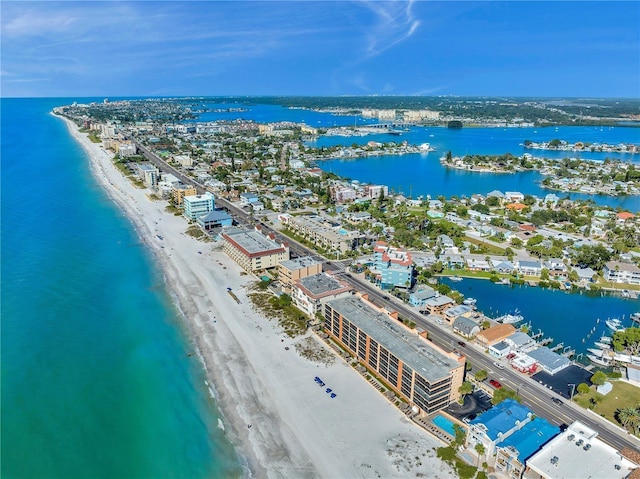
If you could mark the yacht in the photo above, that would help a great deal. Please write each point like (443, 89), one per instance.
(510, 318)
(601, 353)
(597, 360)
(602, 345)
(455, 278)
(469, 301)
(614, 325)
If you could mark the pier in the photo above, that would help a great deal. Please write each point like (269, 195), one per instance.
(545, 341)
(557, 347)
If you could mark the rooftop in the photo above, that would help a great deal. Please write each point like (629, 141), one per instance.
(531, 437)
(415, 352)
(299, 263)
(548, 359)
(566, 457)
(252, 242)
(321, 284)
(502, 417)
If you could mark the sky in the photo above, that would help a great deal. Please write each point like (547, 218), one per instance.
(171, 48)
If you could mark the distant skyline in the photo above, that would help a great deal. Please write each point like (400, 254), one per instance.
(480, 48)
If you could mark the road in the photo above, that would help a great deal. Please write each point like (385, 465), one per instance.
(534, 395)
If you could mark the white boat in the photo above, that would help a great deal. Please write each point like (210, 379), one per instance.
(601, 353)
(614, 324)
(510, 318)
(635, 317)
(455, 278)
(603, 345)
(606, 339)
(597, 360)
(469, 301)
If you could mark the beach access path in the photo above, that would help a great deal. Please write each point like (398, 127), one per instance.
(281, 421)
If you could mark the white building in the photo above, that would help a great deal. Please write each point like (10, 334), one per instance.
(198, 205)
(618, 272)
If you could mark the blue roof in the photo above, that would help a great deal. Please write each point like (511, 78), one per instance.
(502, 417)
(531, 437)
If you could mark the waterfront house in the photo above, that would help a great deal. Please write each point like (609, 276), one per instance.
(438, 304)
(495, 334)
(419, 297)
(513, 197)
(624, 216)
(585, 274)
(310, 293)
(477, 264)
(506, 267)
(513, 452)
(556, 267)
(521, 342)
(495, 425)
(416, 369)
(453, 312)
(577, 452)
(464, 326)
(294, 269)
(529, 268)
(619, 272)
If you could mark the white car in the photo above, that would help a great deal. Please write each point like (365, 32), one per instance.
(498, 365)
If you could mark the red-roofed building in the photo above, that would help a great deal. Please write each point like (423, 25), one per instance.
(516, 206)
(395, 266)
(624, 216)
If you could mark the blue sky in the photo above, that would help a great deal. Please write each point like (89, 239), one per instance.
(543, 48)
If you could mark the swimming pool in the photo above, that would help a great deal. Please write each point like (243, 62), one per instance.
(445, 424)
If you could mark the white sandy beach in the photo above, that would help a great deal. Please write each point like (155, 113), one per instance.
(296, 430)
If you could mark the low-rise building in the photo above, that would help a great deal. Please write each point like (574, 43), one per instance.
(465, 326)
(415, 368)
(438, 304)
(619, 272)
(577, 452)
(548, 360)
(513, 452)
(254, 250)
(495, 425)
(419, 298)
(310, 293)
(495, 334)
(216, 218)
(292, 270)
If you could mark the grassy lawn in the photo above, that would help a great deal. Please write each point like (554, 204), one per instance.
(489, 248)
(467, 274)
(620, 286)
(623, 395)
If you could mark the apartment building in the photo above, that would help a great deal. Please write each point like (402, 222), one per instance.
(292, 270)
(415, 368)
(253, 250)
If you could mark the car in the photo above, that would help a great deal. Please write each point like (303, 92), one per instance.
(462, 343)
(558, 401)
(511, 355)
(495, 384)
(498, 365)
(333, 395)
(439, 321)
(386, 298)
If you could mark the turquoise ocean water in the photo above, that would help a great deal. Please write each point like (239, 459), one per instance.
(96, 381)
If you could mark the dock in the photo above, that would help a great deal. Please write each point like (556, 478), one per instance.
(557, 347)
(545, 341)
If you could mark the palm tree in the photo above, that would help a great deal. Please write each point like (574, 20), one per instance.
(479, 447)
(629, 417)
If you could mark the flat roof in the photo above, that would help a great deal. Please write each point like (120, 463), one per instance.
(320, 284)
(299, 263)
(412, 350)
(252, 242)
(572, 461)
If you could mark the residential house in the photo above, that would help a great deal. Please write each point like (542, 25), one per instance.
(529, 268)
(619, 272)
(419, 297)
(214, 219)
(465, 326)
(495, 334)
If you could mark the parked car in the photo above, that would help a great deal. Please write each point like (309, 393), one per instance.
(495, 384)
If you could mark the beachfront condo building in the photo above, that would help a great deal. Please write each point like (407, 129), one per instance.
(198, 205)
(179, 191)
(292, 270)
(253, 250)
(309, 294)
(394, 265)
(413, 367)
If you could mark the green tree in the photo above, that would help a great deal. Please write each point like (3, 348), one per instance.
(583, 388)
(599, 378)
(629, 417)
(460, 436)
(481, 375)
(479, 447)
(516, 242)
(465, 388)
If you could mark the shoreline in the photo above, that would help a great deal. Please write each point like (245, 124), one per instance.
(273, 412)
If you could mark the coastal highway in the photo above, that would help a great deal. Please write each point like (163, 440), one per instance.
(536, 396)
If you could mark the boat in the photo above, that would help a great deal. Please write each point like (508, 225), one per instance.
(614, 324)
(602, 345)
(455, 278)
(635, 317)
(598, 361)
(469, 301)
(606, 339)
(601, 353)
(510, 318)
